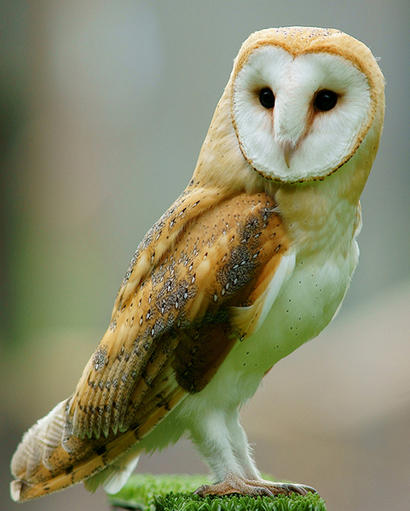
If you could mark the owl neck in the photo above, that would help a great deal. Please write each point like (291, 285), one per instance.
(318, 215)
(327, 213)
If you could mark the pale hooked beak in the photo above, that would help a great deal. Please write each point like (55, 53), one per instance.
(288, 148)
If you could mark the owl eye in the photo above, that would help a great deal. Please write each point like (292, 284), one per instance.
(325, 100)
(266, 98)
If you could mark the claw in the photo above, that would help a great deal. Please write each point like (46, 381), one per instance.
(201, 491)
(302, 489)
(295, 488)
(235, 484)
(261, 490)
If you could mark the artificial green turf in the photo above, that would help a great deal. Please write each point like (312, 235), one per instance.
(174, 493)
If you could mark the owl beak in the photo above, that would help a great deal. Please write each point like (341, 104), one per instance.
(288, 126)
(288, 148)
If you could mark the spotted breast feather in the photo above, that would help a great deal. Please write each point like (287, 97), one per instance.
(174, 321)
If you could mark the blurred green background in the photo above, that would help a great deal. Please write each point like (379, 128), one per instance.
(103, 109)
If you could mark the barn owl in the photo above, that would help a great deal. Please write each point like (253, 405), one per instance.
(251, 261)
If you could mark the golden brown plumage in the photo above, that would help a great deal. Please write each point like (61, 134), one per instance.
(249, 263)
(172, 326)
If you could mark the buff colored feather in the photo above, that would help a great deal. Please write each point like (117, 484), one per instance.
(250, 262)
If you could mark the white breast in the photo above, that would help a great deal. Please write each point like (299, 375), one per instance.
(306, 303)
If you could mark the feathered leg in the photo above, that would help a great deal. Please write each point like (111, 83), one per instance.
(211, 435)
(223, 443)
(240, 445)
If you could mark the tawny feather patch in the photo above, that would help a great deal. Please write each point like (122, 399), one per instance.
(250, 262)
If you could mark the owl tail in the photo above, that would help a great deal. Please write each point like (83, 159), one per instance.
(47, 460)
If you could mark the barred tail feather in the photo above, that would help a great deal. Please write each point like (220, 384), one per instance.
(70, 471)
(113, 477)
(38, 445)
(46, 461)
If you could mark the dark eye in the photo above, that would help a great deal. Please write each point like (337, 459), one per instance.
(266, 98)
(325, 100)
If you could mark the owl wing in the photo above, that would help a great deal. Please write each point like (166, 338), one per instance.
(172, 327)
(198, 283)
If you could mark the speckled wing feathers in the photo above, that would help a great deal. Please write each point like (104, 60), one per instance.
(166, 328)
(177, 315)
(162, 235)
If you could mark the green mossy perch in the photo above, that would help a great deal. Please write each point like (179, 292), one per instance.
(174, 493)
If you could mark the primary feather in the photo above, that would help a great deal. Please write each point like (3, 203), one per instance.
(166, 338)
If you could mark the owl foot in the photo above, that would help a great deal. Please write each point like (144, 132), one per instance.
(235, 484)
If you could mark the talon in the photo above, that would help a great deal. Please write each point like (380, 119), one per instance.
(301, 489)
(201, 491)
(310, 489)
(306, 489)
(297, 489)
(260, 490)
(235, 484)
(293, 488)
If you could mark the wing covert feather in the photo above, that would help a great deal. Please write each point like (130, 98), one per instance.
(172, 323)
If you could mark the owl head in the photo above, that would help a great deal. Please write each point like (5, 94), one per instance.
(299, 103)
